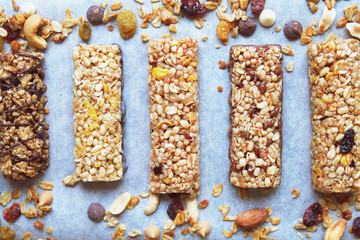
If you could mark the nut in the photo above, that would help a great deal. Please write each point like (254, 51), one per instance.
(119, 205)
(216, 191)
(152, 232)
(293, 30)
(354, 29)
(290, 66)
(335, 230)
(152, 203)
(192, 207)
(27, 9)
(31, 26)
(45, 198)
(252, 217)
(95, 14)
(39, 225)
(247, 26)
(96, 212)
(327, 19)
(267, 18)
(275, 220)
(204, 228)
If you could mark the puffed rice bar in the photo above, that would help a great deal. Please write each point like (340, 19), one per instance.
(97, 113)
(255, 117)
(335, 108)
(24, 139)
(174, 116)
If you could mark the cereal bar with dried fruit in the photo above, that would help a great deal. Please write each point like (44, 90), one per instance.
(24, 139)
(255, 117)
(335, 106)
(173, 84)
(97, 113)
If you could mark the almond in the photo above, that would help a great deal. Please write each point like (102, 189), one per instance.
(251, 218)
(119, 204)
(335, 230)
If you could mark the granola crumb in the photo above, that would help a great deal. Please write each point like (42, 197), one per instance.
(295, 193)
(39, 225)
(172, 28)
(204, 38)
(220, 88)
(110, 28)
(290, 66)
(222, 65)
(145, 37)
(277, 28)
(300, 235)
(275, 220)
(49, 230)
(15, 6)
(144, 195)
(307, 235)
(217, 46)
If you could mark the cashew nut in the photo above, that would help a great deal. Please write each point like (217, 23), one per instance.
(204, 228)
(32, 25)
(152, 203)
(45, 198)
(192, 207)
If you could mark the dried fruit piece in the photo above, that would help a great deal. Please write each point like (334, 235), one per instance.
(222, 30)
(12, 34)
(173, 208)
(356, 227)
(312, 215)
(348, 141)
(7, 233)
(119, 205)
(96, 212)
(251, 218)
(12, 213)
(127, 23)
(293, 30)
(247, 26)
(257, 6)
(95, 14)
(335, 230)
(203, 204)
(327, 19)
(193, 8)
(85, 31)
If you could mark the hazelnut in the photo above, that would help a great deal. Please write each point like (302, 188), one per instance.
(95, 14)
(247, 27)
(96, 212)
(204, 228)
(267, 18)
(152, 232)
(293, 30)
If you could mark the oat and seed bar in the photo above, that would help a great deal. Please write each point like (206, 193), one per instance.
(97, 112)
(255, 116)
(24, 139)
(335, 108)
(174, 116)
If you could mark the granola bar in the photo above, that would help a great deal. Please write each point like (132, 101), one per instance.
(334, 95)
(24, 139)
(255, 116)
(97, 113)
(174, 116)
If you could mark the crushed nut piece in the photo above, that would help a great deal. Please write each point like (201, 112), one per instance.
(295, 193)
(49, 230)
(224, 210)
(204, 38)
(275, 220)
(290, 66)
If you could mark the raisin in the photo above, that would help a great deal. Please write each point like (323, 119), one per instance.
(274, 112)
(269, 124)
(12, 34)
(158, 170)
(312, 215)
(85, 31)
(127, 23)
(257, 6)
(356, 227)
(12, 213)
(187, 136)
(222, 30)
(193, 8)
(173, 208)
(348, 141)
(262, 87)
(6, 233)
(240, 85)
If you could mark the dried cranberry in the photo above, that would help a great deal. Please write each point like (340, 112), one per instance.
(312, 215)
(12, 34)
(12, 213)
(187, 136)
(173, 208)
(356, 227)
(158, 170)
(262, 87)
(348, 141)
(257, 6)
(193, 8)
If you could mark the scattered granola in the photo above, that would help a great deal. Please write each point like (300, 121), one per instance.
(220, 88)
(295, 193)
(216, 191)
(39, 225)
(290, 66)
(203, 204)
